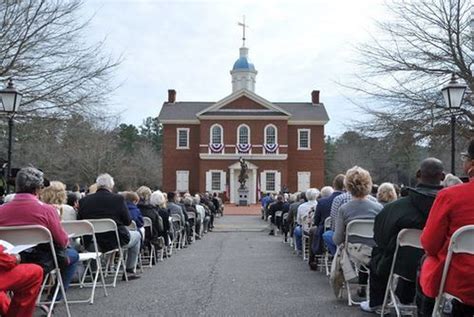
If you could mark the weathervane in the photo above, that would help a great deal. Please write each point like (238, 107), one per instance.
(243, 25)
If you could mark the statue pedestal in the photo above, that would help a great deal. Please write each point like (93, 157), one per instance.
(244, 198)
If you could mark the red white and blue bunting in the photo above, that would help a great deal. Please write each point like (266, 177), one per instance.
(270, 148)
(216, 147)
(243, 148)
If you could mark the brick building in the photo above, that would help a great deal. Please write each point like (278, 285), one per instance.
(282, 142)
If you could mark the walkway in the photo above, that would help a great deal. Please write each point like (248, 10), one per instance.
(231, 272)
(233, 210)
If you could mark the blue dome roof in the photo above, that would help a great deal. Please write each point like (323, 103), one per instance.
(243, 63)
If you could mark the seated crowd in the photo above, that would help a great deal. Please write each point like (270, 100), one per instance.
(438, 205)
(176, 222)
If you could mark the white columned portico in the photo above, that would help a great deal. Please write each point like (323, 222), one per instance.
(234, 171)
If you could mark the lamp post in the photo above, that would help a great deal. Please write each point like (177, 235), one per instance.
(10, 99)
(453, 94)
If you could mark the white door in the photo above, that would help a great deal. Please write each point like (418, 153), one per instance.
(304, 181)
(182, 181)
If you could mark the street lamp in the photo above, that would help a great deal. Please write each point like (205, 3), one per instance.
(10, 99)
(453, 94)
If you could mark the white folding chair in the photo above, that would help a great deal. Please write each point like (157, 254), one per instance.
(133, 227)
(149, 252)
(405, 238)
(180, 233)
(327, 261)
(304, 241)
(462, 241)
(35, 234)
(108, 225)
(362, 228)
(81, 228)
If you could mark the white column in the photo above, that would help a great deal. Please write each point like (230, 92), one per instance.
(254, 195)
(231, 186)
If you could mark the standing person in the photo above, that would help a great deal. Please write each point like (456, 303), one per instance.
(452, 209)
(105, 204)
(23, 280)
(410, 211)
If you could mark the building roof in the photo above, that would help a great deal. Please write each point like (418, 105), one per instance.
(187, 110)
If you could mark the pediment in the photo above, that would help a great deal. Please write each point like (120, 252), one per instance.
(243, 102)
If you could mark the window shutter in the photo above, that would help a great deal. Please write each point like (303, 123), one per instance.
(263, 182)
(223, 175)
(277, 182)
(208, 182)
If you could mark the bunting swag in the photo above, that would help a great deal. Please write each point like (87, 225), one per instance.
(216, 147)
(243, 148)
(270, 148)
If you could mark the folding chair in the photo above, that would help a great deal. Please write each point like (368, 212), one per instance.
(80, 228)
(34, 234)
(462, 241)
(149, 253)
(405, 238)
(304, 241)
(108, 225)
(180, 233)
(362, 228)
(327, 261)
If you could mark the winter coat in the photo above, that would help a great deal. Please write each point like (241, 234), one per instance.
(452, 209)
(409, 212)
(151, 212)
(135, 214)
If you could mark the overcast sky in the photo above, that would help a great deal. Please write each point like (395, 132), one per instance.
(190, 46)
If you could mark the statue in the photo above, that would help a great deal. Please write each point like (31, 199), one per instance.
(243, 173)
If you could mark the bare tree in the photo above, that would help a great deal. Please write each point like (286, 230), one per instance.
(405, 64)
(42, 46)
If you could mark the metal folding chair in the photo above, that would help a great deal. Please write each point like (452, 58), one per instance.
(462, 241)
(362, 228)
(35, 234)
(108, 225)
(149, 253)
(326, 254)
(405, 238)
(81, 228)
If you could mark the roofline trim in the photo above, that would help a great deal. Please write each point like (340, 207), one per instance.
(177, 121)
(307, 122)
(238, 117)
(240, 93)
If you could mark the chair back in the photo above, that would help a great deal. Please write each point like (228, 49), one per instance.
(462, 241)
(409, 238)
(133, 226)
(327, 223)
(176, 218)
(103, 225)
(147, 222)
(363, 228)
(32, 234)
(78, 228)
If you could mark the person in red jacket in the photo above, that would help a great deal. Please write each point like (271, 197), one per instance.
(24, 280)
(452, 209)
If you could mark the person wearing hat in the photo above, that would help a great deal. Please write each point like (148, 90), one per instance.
(453, 208)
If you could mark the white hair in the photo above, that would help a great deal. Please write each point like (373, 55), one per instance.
(157, 198)
(312, 194)
(105, 181)
(451, 180)
(197, 199)
(326, 191)
(8, 198)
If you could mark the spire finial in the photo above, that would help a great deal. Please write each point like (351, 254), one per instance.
(243, 25)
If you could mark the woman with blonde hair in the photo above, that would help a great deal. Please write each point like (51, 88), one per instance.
(55, 194)
(386, 193)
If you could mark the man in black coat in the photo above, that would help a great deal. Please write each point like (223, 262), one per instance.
(405, 213)
(105, 204)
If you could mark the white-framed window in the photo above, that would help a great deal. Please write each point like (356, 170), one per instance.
(182, 138)
(215, 181)
(304, 139)
(243, 134)
(271, 134)
(304, 181)
(182, 181)
(216, 134)
(270, 181)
